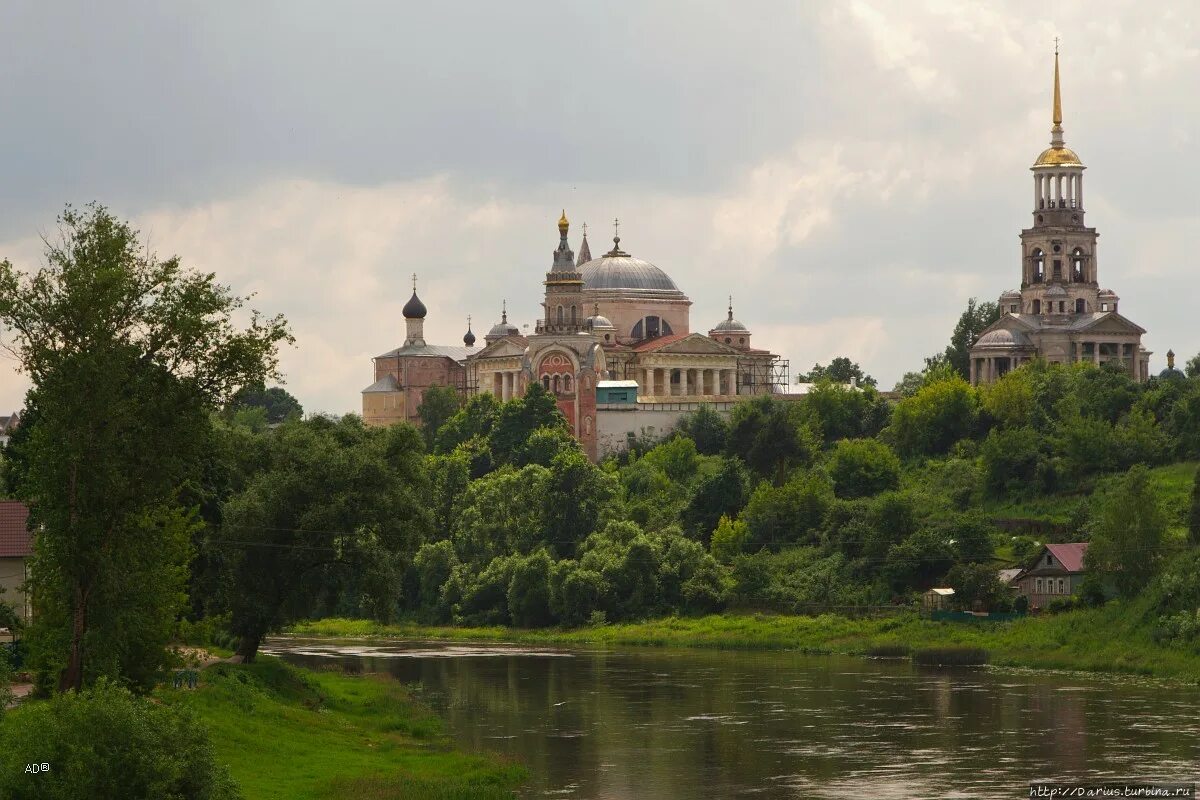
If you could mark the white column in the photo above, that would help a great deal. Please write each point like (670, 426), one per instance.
(1079, 190)
(507, 386)
(731, 377)
(683, 381)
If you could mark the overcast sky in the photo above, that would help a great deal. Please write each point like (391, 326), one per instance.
(851, 172)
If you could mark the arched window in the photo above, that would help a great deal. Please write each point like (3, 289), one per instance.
(1037, 306)
(741, 340)
(636, 333)
(560, 315)
(666, 328)
(556, 384)
(728, 340)
(567, 384)
(574, 315)
(607, 337)
(1077, 264)
(546, 382)
(653, 327)
(1080, 306)
(1039, 265)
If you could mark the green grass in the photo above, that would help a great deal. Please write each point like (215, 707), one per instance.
(296, 734)
(1113, 639)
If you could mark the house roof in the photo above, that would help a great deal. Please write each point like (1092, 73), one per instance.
(616, 384)
(1007, 576)
(385, 384)
(15, 539)
(1069, 555)
(430, 351)
(943, 592)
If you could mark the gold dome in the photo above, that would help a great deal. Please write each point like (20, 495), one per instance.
(562, 222)
(1058, 157)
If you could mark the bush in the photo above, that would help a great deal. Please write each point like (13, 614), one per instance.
(863, 467)
(578, 594)
(888, 651)
(104, 742)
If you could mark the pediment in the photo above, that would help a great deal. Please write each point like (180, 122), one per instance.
(1112, 322)
(501, 348)
(697, 344)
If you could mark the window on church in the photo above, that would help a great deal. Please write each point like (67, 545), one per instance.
(1012, 309)
(1077, 264)
(1057, 268)
(653, 328)
(559, 316)
(1080, 306)
(1037, 306)
(728, 340)
(1062, 306)
(636, 333)
(574, 315)
(1039, 265)
(546, 382)
(666, 328)
(567, 384)
(674, 376)
(1104, 306)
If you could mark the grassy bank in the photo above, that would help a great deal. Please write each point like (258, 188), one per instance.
(292, 733)
(1110, 639)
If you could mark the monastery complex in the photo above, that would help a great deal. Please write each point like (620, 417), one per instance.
(615, 343)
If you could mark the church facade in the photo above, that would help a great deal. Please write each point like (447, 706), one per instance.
(616, 320)
(1060, 313)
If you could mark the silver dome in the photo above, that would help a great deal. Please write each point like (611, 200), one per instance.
(731, 325)
(504, 329)
(626, 273)
(1004, 338)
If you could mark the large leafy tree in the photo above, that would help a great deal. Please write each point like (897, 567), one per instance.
(932, 420)
(974, 319)
(128, 356)
(840, 370)
(438, 404)
(1128, 533)
(768, 436)
(276, 403)
(338, 504)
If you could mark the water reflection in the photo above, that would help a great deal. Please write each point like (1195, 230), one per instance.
(685, 724)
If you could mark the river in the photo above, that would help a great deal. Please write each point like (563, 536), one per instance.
(686, 724)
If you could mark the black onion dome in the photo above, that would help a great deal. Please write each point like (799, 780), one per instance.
(469, 338)
(414, 308)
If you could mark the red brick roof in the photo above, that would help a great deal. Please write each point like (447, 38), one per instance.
(15, 539)
(1070, 555)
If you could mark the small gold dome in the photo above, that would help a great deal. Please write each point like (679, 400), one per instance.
(562, 222)
(1058, 157)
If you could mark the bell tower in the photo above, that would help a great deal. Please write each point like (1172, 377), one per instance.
(1058, 274)
(564, 289)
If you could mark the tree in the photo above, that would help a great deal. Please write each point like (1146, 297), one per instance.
(788, 514)
(1128, 533)
(729, 539)
(1192, 368)
(707, 429)
(1014, 461)
(768, 437)
(932, 420)
(840, 370)
(474, 420)
(977, 587)
(128, 356)
(971, 323)
(519, 418)
(438, 405)
(1194, 515)
(334, 496)
(717, 495)
(862, 467)
(277, 403)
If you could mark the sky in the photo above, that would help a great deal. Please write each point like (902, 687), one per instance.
(851, 172)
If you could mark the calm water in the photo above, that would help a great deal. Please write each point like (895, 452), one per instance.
(685, 724)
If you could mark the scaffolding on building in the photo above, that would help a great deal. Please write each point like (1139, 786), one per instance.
(763, 375)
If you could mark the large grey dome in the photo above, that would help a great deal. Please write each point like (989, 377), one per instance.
(626, 273)
(1003, 338)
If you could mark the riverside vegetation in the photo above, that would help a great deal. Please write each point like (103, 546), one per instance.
(204, 505)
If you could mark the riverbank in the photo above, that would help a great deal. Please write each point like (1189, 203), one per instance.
(296, 734)
(1112, 639)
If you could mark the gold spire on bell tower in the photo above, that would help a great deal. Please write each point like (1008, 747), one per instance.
(563, 223)
(1057, 91)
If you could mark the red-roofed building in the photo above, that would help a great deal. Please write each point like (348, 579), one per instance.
(16, 546)
(1057, 572)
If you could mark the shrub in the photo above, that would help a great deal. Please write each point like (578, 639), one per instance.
(729, 539)
(890, 650)
(863, 467)
(104, 742)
